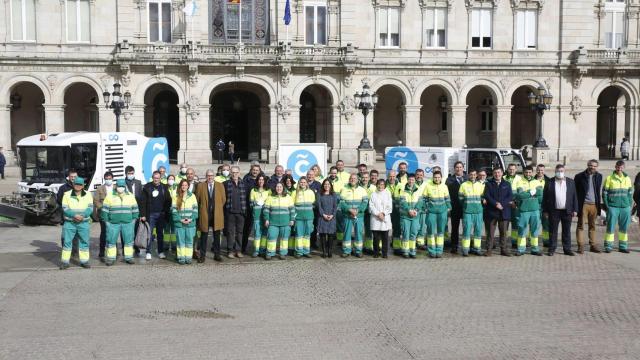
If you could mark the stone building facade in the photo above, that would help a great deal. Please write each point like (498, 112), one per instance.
(447, 72)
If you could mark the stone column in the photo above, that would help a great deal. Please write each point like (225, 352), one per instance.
(335, 134)
(273, 134)
(106, 120)
(458, 115)
(132, 119)
(412, 125)
(5, 133)
(265, 140)
(502, 126)
(54, 118)
(621, 121)
(194, 135)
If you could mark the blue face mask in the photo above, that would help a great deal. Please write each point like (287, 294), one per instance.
(130, 177)
(108, 182)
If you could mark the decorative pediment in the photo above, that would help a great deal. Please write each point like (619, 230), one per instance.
(395, 3)
(481, 3)
(527, 4)
(436, 3)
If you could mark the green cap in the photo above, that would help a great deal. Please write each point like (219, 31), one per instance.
(121, 183)
(79, 181)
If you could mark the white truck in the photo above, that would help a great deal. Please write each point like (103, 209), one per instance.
(445, 157)
(45, 160)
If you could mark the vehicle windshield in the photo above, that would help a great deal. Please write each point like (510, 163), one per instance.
(43, 164)
(514, 158)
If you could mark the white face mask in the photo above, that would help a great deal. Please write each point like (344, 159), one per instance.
(120, 190)
(108, 182)
(225, 173)
(183, 170)
(170, 182)
(131, 177)
(560, 174)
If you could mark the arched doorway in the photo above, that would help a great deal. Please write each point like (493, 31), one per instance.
(523, 119)
(388, 118)
(435, 124)
(81, 109)
(315, 115)
(162, 116)
(481, 118)
(240, 113)
(27, 112)
(613, 122)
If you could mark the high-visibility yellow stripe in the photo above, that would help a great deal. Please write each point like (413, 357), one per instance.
(128, 251)
(271, 246)
(522, 242)
(477, 243)
(83, 255)
(112, 252)
(466, 243)
(608, 237)
(534, 241)
(431, 241)
(440, 241)
(622, 237)
(66, 255)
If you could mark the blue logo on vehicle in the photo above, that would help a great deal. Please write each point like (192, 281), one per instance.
(300, 161)
(397, 155)
(155, 154)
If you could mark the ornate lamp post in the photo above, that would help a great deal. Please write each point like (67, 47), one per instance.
(366, 102)
(540, 101)
(118, 103)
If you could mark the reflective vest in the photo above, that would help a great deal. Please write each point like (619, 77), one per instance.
(410, 199)
(258, 198)
(437, 197)
(470, 196)
(119, 208)
(220, 178)
(344, 177)
(188, 210)
(73, 205)
(354, 198)
(304, 201)
(617, 191)
(279, 210)
(337, 184)
(524, 199)
(513, 180)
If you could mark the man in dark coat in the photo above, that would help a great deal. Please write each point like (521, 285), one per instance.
(560, 205)
(155, 207)
(498, 195)
(3, 162)
(453, 183)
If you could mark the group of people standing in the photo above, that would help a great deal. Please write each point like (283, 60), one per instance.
(406, 212)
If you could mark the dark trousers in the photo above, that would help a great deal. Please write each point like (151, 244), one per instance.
(2, 172)
(103, 237)
(454, 232)
(156, 221)
(556, 217)
(326, 242)
(246, 231)
(235, 227)
(377, 236)
(502, 226)
(220, 156)
(215, 246)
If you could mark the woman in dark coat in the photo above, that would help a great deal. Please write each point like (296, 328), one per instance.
(327, 208)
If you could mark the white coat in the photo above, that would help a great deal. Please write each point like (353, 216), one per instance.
(381, 202)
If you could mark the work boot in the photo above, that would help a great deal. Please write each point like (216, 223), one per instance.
(130, 261)
(282, 257)
(505, 253)
(624, 251)
(344, 255)
(217, 258)
(64, 266)
(595, 249)
(296, 256)
(267, 257)
(580, 250)
(86, 265)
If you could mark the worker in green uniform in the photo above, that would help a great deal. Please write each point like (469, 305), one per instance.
(411, 205)
(528, 199)
(438, 205)
(77, 207)
(470, 195)
(617, 194)
(119, 212)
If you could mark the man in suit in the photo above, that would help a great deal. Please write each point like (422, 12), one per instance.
(560, 205)
(498, 196)
(102, 192)
(211, 199)
(155, 208)
(588, 184)
(453, 183)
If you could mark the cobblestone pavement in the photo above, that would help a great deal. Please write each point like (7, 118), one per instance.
(583, 307)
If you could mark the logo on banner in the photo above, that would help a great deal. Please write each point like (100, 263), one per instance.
(301, 161)
(399, 155)
(156, 154)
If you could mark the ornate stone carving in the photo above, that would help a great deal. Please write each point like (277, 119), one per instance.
(317, 71)
(517, 3)
(365, 81)
(125, 75)
(577, 78)
(504, 84)
(192, 107)
(347, 107)
(459, 82)
(348, 76)
(285, 75)
(239, 72)
(470, 3)
(193, 75)
(548, 83)
(159, 72)
(413, 84)
(105, 81)
(438, 3)
(52, 80)
(576, 107)
(284, 107)
(377, 3)
(140, 4)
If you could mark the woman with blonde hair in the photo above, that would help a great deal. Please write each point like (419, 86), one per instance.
(184, 213)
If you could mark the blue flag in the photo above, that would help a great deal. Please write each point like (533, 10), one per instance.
(287, 13)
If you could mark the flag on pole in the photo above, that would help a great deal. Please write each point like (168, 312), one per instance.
(190, 9)
(287, 13)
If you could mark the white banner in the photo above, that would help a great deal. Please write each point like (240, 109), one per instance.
(301, 157)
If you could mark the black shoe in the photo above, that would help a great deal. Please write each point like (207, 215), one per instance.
(217, 258)
(550, 253)
(454, 251)
(130, 261)
(505, 253)
(64, 266)
(384, 256)
(570, 253)
(518, 254)
(412, 256)
(201, 259)
(344, 255)
(308, 256)
(537, 253)
(282, 257)
(108, 262)
(296, 256)
(624, 251)
(375, 256)
(607, 250)
(86, 265)
(406, 256)
(465, 254)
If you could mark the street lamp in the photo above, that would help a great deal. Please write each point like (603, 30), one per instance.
(366, 102)
(539, 102)
(119, 102)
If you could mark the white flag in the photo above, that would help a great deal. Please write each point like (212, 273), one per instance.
(190, 9)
